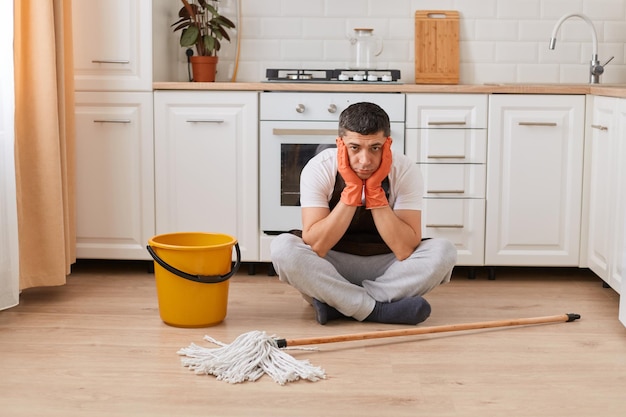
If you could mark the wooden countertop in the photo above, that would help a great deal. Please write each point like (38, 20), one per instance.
(613, 90)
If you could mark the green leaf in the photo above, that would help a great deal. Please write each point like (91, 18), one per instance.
(211, 9)
(224, 21)
(209, 43)
(189, 36)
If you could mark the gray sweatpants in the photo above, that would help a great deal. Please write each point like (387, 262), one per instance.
(352, 284)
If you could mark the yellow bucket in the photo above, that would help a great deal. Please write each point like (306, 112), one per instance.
(192, 272)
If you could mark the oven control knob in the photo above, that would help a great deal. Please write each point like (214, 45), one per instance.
(332, 108)
(343, 77)
(372, 78)
(387, 77)
(300, 108)
(357, 77)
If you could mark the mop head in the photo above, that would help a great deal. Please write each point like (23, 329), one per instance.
(247, 358)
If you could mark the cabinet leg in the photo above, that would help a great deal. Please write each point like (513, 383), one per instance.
(491, 273)
(252, 268)
(471, 273)
(270, 270)
(605, 285)
(150, 268)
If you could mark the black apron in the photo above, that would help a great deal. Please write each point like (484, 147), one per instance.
(362, 237)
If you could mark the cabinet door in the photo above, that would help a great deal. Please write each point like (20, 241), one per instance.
(599, 198)
(618, 261)
(112, 45)
(114, 175)
(206, 160)
(534, 180)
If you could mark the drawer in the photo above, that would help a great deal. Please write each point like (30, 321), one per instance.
(459, 220)
(454, 180)
(446, 111)
(447, 145)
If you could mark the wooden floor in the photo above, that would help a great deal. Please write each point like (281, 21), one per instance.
(97, 347)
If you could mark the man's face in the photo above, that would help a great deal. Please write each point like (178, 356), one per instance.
(364, 152)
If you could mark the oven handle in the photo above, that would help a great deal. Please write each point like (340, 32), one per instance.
(304, 132)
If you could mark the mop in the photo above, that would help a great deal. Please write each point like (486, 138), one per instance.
(253, 354)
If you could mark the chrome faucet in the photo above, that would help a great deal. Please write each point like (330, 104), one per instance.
(595, 69)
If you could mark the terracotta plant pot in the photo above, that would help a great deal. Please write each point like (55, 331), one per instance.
(203, 68)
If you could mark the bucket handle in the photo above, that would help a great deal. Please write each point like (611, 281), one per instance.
(204, 279)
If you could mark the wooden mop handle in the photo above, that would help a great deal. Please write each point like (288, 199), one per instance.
(426, 330)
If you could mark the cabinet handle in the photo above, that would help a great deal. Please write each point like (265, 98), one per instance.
(537, 123)
(305, 132)
(445, 191)
(599, 127)
(205, 121)
(461, 123)
(111, 121)
(446, 156)
(448, 226)
(110, 61)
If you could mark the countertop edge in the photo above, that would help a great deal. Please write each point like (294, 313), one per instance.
(612, 90)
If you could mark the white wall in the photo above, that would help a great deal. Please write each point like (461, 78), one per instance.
(501, 40)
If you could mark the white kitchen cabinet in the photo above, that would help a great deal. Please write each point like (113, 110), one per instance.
(206, 159)
(112, 45)
(534, 180)
(605, 203)
(114, 175)
(447, 136)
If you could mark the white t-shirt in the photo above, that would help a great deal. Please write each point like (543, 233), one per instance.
(317, 181)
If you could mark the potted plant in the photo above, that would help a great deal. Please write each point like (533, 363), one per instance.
(204, 27)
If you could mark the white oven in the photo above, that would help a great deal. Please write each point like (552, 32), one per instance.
(294, 126)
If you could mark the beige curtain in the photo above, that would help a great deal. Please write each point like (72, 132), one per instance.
(44, 141)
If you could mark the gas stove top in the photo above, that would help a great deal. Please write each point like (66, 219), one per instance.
(333, 76)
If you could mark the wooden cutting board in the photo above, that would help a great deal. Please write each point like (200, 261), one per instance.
(436, 47)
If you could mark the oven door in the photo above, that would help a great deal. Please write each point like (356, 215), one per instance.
(285, 148)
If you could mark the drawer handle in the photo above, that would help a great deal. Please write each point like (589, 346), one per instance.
(446, 156)
(205, 121)
(445, 191)
(461, 123)
(111, 121)
(447, 226)
(599, 127)
(305, 132)
(537, 124)
(110, 61)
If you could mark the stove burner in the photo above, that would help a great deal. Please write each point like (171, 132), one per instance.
(333, 76)
(299, 76)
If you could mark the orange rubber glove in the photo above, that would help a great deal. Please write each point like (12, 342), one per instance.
(374, 194)
(352, 194)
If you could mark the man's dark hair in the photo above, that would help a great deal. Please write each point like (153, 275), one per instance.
(364, 118)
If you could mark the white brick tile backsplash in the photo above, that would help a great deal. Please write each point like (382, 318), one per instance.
(281, 28)
(477, 9)
(477, 52)
(393, 8)
(344, 8)
(324, 28)
(554, 9)
(518, 9)
(614, 32)
(604, 9)
(299, 8)
(302, 50)
(516, 52)
(541, 73)
(496, 30)
(500, 40)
